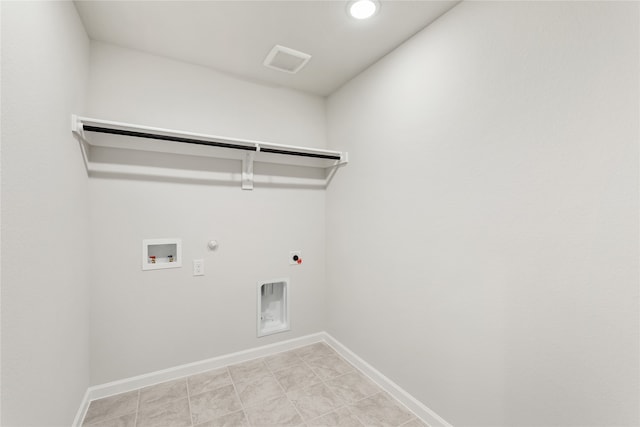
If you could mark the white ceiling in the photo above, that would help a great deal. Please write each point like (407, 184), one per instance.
(235, 36)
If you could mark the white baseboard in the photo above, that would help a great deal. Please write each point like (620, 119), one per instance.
(84, 405)
(152, 378)
(418, 408)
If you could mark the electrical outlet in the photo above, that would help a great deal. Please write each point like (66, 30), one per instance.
(198, 267)
(295, 257)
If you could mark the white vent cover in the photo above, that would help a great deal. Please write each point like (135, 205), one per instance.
(286, 59)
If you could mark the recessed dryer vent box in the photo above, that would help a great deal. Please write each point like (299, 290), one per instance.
(161, 253)
(273, 306)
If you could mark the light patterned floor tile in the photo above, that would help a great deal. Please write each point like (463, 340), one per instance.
(282, 360)
(310, 386)
(381, 410)
(235, 419)
(353, 386)
(296, 377)
(174, 414)
(163, 393)
(414, 423)
(275, 412)
(112, 407)
(249, 371)
(340, 418)
(128, 420)
(314, 401)
(314, 351)
(208, 381)
(253, 392)
(330, 366)
(214, 404)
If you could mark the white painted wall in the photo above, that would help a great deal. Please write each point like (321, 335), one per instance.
(143, 321)
(483, 242)
(45, 318)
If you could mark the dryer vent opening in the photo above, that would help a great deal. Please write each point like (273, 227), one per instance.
(273, 307)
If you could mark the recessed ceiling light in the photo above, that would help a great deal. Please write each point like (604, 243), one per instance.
(363, 9)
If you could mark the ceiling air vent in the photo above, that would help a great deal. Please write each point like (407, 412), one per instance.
(286, 59)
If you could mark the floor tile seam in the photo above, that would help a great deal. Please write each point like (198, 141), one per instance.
(190, 395)
(315, 372)
(245, 408)
(234, 383)
(114, 417)
(135, 420)
(363, 422)
(326, 413)
(358, 418)
(323, 382)
(368, 397)
(286, 367)
(353, 368)
(413, 416)
(355, 415)
(296, 389)
(262, 400)
(235, 390)
(226, 367)
(276, 378)
(410, 420)
(252, 378)
(189, 403)
(168, 401)
(325, 379)
(108, 419)
(290, 349)
(380, 388)
(156, 405)
(310, 367)
(295, 408)
(340, 399)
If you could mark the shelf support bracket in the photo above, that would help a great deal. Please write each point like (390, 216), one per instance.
(247, 171)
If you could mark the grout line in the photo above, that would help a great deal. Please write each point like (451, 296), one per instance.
(304, 422)
(324, 383)
(233, 384)
(189, 401)
(356, 416)
(111, 418)
(408, 421)
(382, 388)
(226, 369)
(135, 420)
(356, 369)
(295, 408)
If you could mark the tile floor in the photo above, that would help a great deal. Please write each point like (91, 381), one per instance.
(309, 386)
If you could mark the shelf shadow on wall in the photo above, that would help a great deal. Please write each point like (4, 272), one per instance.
(201, 170)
